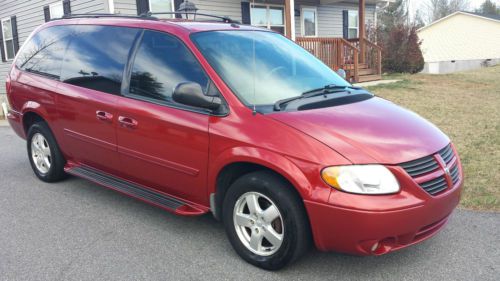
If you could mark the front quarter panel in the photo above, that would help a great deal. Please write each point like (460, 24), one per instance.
(255, 138)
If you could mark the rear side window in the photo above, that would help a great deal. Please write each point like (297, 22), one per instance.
(44, 53)
(161, 62)
(96, 57)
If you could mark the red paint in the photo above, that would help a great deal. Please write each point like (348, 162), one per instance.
(180, 153)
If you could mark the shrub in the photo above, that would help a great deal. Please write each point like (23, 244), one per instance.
(401, 51)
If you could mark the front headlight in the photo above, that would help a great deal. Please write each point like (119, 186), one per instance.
(361, 179)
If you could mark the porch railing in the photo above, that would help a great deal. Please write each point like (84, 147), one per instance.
(335, 52)
(372, 55)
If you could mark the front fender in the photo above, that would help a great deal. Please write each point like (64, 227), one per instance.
(287, 167)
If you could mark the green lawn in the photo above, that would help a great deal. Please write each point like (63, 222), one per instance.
(466, 106)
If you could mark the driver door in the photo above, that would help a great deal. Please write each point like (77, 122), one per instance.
(162, 144)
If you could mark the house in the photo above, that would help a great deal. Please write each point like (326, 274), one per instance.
(460, 41)
(330, 29)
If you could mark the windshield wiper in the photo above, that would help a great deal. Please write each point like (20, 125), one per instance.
(328, 89)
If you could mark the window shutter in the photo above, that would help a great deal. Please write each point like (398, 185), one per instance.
(245, 13)
(1, 44)
(177, 5)
(345, 23)
(142, 6)
(66, 7)
(46, 13)
(15, 35)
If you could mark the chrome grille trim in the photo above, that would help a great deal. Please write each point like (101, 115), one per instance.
(455, 174)
(447, 154)
(420, 166)
(428, 164)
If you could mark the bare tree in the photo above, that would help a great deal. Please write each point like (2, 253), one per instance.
(488, 8)
(394, 14)
(437, 9)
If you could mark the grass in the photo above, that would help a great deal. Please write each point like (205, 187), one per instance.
(465, 106)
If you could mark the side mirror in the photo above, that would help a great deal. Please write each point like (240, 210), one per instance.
(190, 93)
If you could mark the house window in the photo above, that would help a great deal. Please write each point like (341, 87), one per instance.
(56, 10)
(268, 16)
(8, 39)
(162, 6)
(353, 24)
(309, 21)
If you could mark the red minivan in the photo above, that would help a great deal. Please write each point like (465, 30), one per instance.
(199, 117)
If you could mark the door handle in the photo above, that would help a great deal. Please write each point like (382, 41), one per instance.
(127, 122)
(104, 116)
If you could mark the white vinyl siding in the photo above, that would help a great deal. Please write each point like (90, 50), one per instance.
(125, 7)
(229, 8)
(330, 18)
(461, 37)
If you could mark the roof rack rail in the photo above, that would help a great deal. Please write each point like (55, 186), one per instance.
(101, 15)
(223, 18)
(147, 15)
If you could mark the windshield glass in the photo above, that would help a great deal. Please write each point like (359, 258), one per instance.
(263, 67)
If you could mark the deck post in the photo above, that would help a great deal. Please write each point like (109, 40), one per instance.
(290, 19)
(362, 30)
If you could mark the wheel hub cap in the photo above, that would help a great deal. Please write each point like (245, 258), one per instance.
(40, 153)
(258, 223)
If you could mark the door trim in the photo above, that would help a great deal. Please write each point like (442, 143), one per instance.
(158, 161)
(89, 139)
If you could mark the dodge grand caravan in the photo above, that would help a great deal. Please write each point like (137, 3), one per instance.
(199, 117)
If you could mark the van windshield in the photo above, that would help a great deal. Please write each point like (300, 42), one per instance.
(263, 67)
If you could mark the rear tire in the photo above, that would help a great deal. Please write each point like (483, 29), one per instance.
(44, 154)
(278, 216)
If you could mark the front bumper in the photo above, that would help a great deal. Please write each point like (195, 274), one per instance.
(375, 225)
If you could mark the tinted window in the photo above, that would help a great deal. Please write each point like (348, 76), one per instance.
(96, 57)
(161, 63)
(44, 52)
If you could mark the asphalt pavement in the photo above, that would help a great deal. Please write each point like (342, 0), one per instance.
(77, 230)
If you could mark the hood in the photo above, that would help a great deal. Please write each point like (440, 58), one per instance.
(371, 131)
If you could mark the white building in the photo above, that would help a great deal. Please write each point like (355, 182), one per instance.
(460, 41)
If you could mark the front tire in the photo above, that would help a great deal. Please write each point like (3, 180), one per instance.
(44, 154)
(265, 220)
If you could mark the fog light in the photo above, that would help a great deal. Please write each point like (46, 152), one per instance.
(375, 246)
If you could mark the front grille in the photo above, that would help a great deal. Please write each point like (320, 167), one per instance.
(420, 166)
(455, 175)
(447, 154)
(428, 164)
(435, 186)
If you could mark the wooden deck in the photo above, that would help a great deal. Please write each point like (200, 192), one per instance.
(339, 53)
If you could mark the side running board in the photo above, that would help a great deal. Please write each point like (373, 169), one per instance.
(166, 202)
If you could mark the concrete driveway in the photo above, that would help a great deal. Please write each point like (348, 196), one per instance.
(76, 230)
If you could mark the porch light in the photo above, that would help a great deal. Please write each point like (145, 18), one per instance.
(188, 8)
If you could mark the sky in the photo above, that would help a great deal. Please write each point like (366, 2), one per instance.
(416, 4)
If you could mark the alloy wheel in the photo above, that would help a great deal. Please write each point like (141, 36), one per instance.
(40, 153)
(258, 223)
